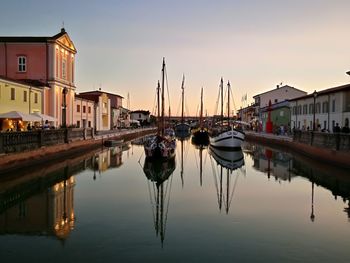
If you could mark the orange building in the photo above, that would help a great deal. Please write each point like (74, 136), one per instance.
(48, 60)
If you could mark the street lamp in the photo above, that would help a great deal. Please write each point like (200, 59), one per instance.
(348, 73)
(64, 107)
(314, 123)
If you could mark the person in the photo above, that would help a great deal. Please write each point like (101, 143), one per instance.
(345, 129)
(29, 128)
(46, 125)
(336, 128)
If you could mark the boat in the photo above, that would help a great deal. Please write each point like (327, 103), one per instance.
(228, 161)
(162, 145)
(226, 135)
(200, 136)
(158, 173)
(182, 129)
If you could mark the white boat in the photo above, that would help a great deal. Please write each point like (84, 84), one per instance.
(162, 145)
(226, 136)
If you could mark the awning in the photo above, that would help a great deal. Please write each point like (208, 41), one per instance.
(44, 117)
(19, 115)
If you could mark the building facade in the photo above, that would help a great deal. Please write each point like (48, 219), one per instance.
(48, 60)
(322, 110)
(84, 113)
(142, 116)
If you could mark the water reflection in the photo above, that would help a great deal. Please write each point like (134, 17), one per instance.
(286, 166)
(228, 160)
(159, 187)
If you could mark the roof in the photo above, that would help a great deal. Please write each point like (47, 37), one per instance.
(43, 39)
(99, 92)
(278, 87)
(345, 87)
(27, 82)
(25, 39)
(282, 104)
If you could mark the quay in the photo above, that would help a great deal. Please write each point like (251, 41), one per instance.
(333, 149)
(51, 153)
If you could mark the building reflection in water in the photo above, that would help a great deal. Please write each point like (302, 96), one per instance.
(228, 161)
(285, 167)
(30, 209)
(159, 182)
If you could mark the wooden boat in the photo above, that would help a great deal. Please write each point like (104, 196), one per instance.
(182, 129)
(162, 145)
(200, 136)
(225, 135)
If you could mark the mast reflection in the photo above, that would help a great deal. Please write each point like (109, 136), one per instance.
(159, 187)
(228, 160)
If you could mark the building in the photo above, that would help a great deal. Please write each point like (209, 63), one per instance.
(84, 113)
(324, 108)
(280, 117)
(113, 113)
(48, 60)
(19, 96)
(278, 95)
(142, 116)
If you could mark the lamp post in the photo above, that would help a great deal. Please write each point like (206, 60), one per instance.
(64, 107)
(314, 123)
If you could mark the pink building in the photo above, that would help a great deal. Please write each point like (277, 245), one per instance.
(47, 60)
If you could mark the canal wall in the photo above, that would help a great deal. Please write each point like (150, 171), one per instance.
(51, 153)
(320, 147)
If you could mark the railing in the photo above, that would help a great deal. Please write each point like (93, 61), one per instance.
(29, 140)
(335, 141)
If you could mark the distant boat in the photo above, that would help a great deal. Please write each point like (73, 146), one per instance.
(225, 135)
(182, 129)
(162, 145)
(200, 136)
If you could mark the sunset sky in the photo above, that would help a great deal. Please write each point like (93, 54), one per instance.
(254, 44)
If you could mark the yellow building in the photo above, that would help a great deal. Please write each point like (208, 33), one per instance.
(18, 96)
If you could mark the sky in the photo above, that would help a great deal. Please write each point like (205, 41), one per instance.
(254, 44)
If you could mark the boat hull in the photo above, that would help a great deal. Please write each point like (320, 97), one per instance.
(231, 159)
(158, 147)
(231, 139)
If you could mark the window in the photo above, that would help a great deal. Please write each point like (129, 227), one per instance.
(13, 94)
(325, 125)
(89, 109)
(78, 108)
(24, 96)
(318, 107)
(89, 124)
(64, 68)
(276, 100)
(299, 109)
(305, 109)
(22, 64)
(311, 109)
(325, 107)
(78, 124)
(333, 105)
(281, 113)
(35, 97)
(84, 109)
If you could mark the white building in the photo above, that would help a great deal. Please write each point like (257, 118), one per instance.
(140, 115)
(332, 107)
(84, 113)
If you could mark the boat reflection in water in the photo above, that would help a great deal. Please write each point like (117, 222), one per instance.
(230, 160)
(159, 186)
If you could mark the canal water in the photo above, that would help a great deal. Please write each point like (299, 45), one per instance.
(256, 205)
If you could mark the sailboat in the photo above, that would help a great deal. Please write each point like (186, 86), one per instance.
(225, 135)
(158, 173)
(229, 161)
(182, 129)
(200, 136)
(162, 145)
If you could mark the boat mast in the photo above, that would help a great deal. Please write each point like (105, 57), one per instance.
(183, 98)
(222, 100)
(163, 72)
(158, 107)
(201, 112)
(228, 106)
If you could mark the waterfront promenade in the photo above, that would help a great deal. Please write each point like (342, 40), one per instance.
(12, 161)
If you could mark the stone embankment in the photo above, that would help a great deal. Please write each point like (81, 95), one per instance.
(14, 161)
(326, 154)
